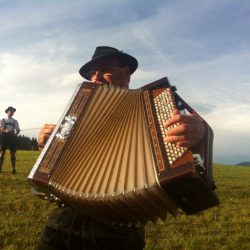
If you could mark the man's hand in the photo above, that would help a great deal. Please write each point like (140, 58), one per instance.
(189, 132)
(45, 134)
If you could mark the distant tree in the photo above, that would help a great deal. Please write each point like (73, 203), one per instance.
(34, 144)
(25, 143)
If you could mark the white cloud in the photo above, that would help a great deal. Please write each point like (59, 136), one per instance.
(38, 89)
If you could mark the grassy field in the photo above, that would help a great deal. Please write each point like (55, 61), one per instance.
(224, 227)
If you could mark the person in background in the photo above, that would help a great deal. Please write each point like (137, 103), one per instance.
(67, 228)
(9, 128)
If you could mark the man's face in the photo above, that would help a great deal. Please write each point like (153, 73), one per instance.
(10, 113)
(111, 71)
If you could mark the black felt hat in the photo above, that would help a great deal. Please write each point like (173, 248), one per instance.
(10, 109)
(103, 52)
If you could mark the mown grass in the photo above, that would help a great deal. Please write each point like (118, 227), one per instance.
(22, 215)
(227, 226)
(224, 227)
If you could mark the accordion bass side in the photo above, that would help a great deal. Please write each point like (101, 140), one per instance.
(107, 157)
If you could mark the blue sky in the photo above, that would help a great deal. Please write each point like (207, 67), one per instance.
(202, 46)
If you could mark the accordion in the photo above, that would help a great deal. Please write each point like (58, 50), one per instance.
(107, 157)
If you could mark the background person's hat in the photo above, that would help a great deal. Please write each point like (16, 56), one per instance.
(10, 109)
(103, 52)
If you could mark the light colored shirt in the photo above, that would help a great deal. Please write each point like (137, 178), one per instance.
(10, 124)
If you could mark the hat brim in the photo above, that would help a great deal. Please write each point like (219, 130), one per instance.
(128, 60)
(12, 109)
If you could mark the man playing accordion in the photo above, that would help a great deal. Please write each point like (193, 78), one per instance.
(66, 227)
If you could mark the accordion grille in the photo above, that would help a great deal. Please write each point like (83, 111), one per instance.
(109, 152)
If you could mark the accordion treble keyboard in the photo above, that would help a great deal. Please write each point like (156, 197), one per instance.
(165, 105)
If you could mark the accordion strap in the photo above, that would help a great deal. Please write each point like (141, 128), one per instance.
(205, 148)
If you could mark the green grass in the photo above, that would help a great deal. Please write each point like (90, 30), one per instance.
(224, 227)
(227, 226)
(22, 215)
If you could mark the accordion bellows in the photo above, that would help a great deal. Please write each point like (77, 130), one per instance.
(107, 156)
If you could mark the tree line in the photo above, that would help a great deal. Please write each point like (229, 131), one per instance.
(26, 143)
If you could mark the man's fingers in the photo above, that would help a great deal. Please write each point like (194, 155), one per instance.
(180, 130)
(188, 143)
(45, 133)
(182, 141)
(178, 138)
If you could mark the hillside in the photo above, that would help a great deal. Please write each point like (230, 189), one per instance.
(226, 226)
(244, 163)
